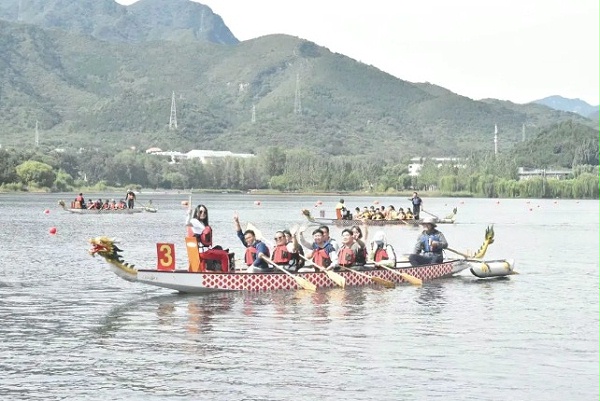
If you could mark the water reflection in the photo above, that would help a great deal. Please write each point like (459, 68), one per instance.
(432, 296)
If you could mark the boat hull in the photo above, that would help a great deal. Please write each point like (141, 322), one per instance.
(349, 223)
(206, 282)
(104, 211)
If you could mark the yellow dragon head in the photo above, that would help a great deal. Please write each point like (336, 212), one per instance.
(105, 247)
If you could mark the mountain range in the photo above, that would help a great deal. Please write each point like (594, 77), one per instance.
(572, 105)
(96, 73)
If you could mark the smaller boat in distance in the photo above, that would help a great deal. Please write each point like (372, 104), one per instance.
(450, 219)
(138, 209)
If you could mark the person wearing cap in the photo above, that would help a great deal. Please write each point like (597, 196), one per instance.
(381, 252)
(430, 245)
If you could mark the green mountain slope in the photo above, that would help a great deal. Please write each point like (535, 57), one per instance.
(274, 90)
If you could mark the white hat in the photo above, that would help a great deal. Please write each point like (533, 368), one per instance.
(379, 236)
(429, 220)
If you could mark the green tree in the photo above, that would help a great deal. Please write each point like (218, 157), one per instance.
(36, 173)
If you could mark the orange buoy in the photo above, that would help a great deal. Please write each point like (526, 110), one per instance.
(52, 230)
(185, 203)
(257, 203)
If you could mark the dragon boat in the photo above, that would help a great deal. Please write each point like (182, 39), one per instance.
(195, 279)
(138, 209)
(449, 219)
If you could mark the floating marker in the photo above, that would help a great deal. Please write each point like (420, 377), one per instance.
(257, 203)
(52, 230)
(185, 203)
(47, 211)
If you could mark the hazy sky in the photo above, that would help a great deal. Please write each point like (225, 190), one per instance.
(517, 50)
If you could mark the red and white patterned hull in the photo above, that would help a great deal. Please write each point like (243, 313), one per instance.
(187, 282)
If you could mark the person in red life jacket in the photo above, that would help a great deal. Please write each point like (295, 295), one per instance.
(283, 254)
(430, 245)
(80, 202)
(197, 223)
(381, 252)
(350, 253)
(255, 249)
(296, 250)
(322, 252)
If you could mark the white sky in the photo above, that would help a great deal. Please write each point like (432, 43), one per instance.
(517, 50)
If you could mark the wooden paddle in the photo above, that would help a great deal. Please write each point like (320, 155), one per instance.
(333, 276)
(302, 282)
(378, 280)
(407, 277)
(431, 214)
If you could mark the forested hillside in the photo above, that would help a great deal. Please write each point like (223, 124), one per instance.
(276, 90)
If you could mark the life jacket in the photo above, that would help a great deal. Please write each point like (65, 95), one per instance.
(205, 238)
(346, 257)
(426, 238)
(321, 257)
(250, 255)
(381, 254)
(281, 255)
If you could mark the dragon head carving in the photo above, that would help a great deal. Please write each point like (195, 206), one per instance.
(105, 247)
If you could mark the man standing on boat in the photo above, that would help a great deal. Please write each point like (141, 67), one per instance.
(130, 198)
(255, 249)
(429, 246)
(417, 203)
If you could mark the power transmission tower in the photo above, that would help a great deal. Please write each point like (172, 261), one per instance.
(495, 139)
(173, 117)
(297, 98)
(253, 113)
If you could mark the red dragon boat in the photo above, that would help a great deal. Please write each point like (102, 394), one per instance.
(193, 279)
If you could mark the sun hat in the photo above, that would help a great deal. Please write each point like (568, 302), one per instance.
(430, 220)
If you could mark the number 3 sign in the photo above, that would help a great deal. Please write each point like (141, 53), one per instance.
(166, 256)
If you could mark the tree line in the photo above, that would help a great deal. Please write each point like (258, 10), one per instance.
(287, 170)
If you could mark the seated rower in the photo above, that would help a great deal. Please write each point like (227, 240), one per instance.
(255, 249)
(198, 227)
(381, 252)
(322, 253)
(351, 254)
(430, 245)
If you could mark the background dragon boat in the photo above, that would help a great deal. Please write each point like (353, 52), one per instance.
(193, 279)
(137, 209)
(449, 219)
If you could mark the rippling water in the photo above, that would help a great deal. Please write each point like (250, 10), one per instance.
(72, 330)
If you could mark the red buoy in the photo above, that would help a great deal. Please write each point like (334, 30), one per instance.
(52, 230)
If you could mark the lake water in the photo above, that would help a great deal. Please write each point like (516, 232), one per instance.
(72, 330)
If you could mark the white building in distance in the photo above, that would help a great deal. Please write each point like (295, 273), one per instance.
(205, 156)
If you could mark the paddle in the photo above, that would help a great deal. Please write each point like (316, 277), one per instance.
(302, 282)
(378, 280)
(333, 276)
(407, 277)
(431, 214)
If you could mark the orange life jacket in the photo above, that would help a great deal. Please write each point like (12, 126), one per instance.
(346, 257)
(281, 255)
(321, 257)
(381, 254)
(250, 255)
